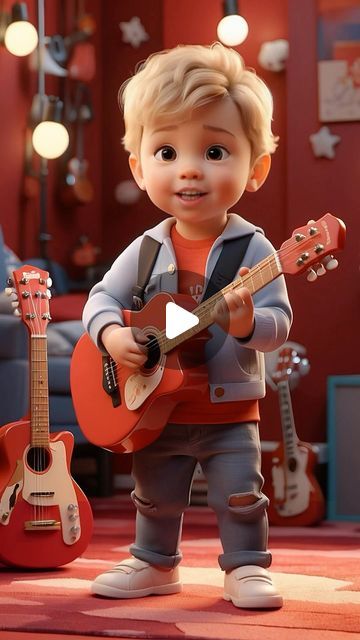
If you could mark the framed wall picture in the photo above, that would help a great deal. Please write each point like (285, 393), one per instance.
(339, 60)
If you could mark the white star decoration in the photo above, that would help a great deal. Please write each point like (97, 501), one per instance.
(323, 143)
(133, 32)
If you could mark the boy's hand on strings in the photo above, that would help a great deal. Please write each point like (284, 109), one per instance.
(235, 311)
(126, 345)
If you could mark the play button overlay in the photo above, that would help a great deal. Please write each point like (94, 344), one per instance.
(178, 320)
(174, 317)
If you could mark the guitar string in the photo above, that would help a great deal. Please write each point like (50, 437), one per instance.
(34, 321)
(204, 307)
(32, 391)
(270, 261)
(40, 452)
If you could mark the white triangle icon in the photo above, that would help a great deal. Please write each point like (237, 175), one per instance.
(178, 320)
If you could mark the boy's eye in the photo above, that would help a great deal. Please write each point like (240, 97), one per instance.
(216, 152)
(165, 153)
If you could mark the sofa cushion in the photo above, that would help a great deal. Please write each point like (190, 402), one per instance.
(62, 337)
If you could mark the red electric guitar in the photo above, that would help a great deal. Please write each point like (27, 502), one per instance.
(297, 498)
(45, 519)
(123, 410)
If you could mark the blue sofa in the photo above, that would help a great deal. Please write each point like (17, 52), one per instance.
(14, 381)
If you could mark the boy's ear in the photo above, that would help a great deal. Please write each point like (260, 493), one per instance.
(136, 170)
(259, 172)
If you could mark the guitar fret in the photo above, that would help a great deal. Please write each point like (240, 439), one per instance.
(39, 397)
(259, 276)
(287, 420)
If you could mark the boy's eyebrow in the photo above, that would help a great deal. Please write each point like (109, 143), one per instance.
(169, 127)
(211, 128)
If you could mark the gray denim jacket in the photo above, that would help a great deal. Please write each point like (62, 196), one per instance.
(235, 366)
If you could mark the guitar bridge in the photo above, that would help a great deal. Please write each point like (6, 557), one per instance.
(42, 494)
(109, 381)
(41, 525)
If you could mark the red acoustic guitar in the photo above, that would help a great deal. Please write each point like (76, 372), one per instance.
(45, 519)
(297, 499)
(123, 410)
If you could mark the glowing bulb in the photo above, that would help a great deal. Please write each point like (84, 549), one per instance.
(232, 30)
(50, 139)
(21, 38)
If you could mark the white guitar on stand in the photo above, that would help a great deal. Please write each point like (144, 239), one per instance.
(297, 498)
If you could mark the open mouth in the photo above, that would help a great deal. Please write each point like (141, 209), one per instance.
(190, 195)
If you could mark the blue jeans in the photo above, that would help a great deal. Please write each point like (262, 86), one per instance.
(230, 458)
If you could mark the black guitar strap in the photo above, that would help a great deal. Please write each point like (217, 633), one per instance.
(229, 261)
(148, 253)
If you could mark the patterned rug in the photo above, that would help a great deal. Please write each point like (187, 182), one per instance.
(316, 569)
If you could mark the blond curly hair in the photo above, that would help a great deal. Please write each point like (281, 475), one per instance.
(172, 83)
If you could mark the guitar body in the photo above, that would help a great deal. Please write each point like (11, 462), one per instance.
(45, 519)
(297, 499)
(146, 397)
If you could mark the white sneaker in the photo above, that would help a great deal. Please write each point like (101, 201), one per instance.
(134, 578)
(251, 587)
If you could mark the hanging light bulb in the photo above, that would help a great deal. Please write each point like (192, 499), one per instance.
(21, 37)
(50, 138)
(232, 29)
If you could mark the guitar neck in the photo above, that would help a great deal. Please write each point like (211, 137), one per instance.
(290, 437)
(39, 392)
(257, 278)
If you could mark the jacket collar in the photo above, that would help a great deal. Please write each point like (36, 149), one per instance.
(235, 228)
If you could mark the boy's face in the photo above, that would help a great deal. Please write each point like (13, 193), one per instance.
(196, 169)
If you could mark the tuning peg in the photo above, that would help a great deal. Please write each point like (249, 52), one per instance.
(49, 282)
(311, 275)
(17, 312)
(330, 263)
(48, 294)
(15, 304)
(10, 282)
(9, 291)
(320, 270)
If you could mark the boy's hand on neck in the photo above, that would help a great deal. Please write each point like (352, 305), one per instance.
(235, 312)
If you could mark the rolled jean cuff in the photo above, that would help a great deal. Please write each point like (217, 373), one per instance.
(155, 559)
(230, 561)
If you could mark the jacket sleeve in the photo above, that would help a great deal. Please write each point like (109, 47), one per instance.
(112, 294)
(273, 313)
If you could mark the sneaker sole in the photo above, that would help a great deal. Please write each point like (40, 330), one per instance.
(113, 592)
(266, 602)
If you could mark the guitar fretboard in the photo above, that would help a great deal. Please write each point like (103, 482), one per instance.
(290, 437)
(257, 278)
(39, 392)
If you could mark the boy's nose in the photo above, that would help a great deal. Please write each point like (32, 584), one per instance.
(190, 171)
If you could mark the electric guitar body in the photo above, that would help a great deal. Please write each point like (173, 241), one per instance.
(297, 498)
(45, 518)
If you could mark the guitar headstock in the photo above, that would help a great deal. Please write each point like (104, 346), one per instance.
(289, 366)
(30, 294)
(310, 244)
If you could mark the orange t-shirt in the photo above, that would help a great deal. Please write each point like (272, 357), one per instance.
(191, 256)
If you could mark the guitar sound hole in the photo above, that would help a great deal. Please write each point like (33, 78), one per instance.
(38, 458)
(153, 352)
(292, 464)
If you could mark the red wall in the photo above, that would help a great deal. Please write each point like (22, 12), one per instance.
(300, 186)
(19, 217)
(326, 312)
